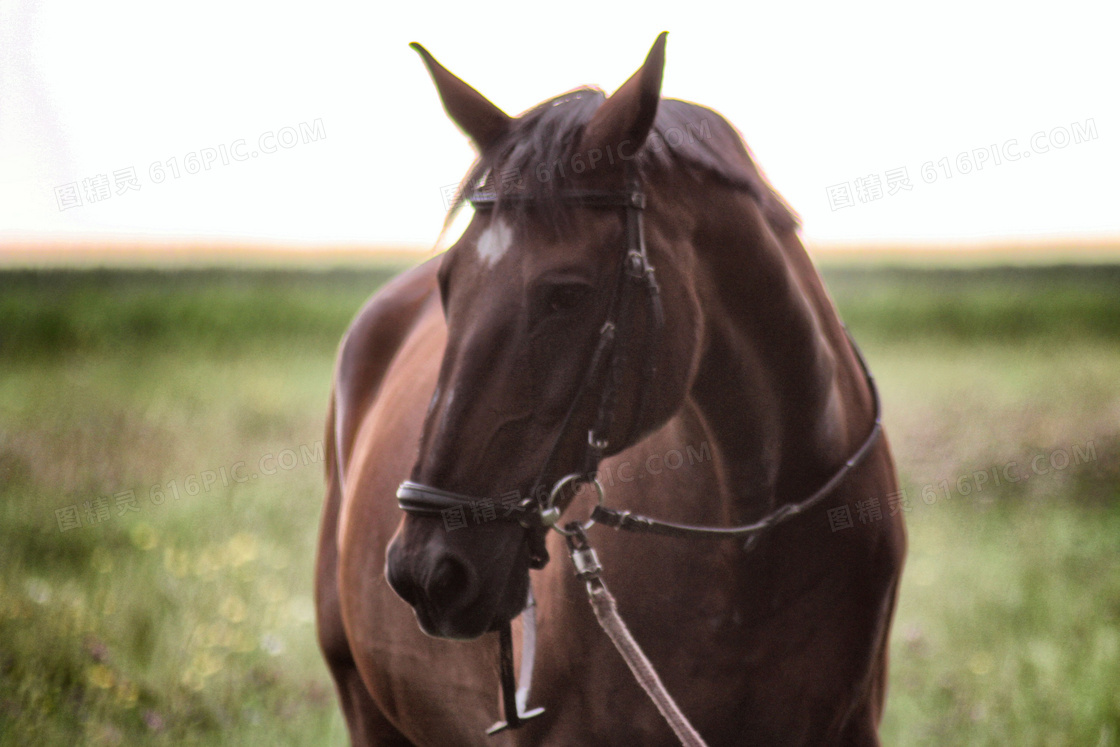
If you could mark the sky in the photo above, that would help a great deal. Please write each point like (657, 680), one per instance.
(316, 124)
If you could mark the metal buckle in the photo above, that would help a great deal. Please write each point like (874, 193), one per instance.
(550, 515)
(551, 506)
(636, 266)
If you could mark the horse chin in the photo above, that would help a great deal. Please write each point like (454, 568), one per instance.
(478, 619)
(461, 627)
(458, 629)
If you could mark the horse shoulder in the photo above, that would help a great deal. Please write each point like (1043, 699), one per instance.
(364, 355)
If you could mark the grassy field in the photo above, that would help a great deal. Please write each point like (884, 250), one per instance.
(161, 472)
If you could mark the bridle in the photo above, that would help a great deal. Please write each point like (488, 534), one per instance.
(541, 510)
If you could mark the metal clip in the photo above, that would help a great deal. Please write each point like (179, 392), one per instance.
(586, 562)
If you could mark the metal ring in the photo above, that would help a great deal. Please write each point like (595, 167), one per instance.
(560, 484)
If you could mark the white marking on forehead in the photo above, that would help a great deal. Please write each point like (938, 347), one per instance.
(494, 242)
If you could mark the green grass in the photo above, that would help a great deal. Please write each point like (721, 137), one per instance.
(981, 304)
(48, 312)
(1007, 631)
(1008, 624)
(191, 621)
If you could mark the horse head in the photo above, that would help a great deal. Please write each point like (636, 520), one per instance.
(530, 388)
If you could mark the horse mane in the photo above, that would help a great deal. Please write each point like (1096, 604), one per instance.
(684, 136)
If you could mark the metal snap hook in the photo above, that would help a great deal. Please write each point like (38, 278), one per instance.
(552, 511)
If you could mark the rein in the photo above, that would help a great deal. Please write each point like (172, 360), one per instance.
(632, 522)
(539, 512)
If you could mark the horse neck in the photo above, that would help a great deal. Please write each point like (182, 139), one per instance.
(777, 383)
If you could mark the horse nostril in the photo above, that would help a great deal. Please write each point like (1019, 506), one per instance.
(449, 581)
(448, 586)
(403, 584)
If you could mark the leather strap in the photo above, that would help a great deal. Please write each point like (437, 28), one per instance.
(424, 500)
(631, 522)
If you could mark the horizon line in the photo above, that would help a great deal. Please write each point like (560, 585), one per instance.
(159, 250)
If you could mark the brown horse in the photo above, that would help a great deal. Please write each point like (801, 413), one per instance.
(473, 374)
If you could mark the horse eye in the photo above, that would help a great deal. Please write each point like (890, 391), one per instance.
(562, 298)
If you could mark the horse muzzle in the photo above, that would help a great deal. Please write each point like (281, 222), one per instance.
(457, 592)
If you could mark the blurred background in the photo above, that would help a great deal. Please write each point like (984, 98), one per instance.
(195, 200)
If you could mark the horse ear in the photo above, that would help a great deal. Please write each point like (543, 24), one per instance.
(475, 115)
(626, 117)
